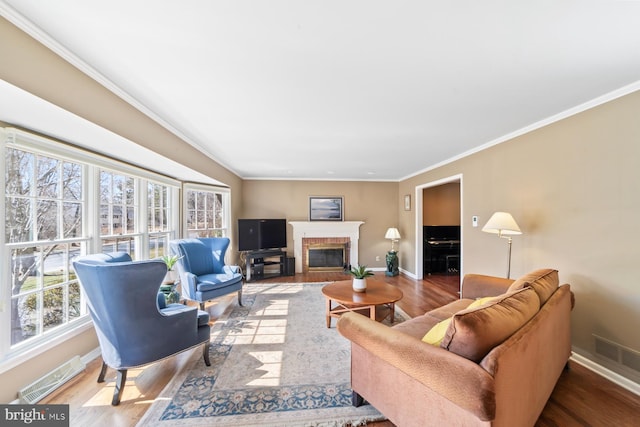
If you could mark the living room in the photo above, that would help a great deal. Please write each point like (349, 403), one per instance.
(567, 180)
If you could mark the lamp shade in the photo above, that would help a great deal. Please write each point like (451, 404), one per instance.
(501, 223)
(392, 233)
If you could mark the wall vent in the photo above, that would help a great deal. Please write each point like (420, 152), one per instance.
(43, 386)
(618, 353)
(631, 359)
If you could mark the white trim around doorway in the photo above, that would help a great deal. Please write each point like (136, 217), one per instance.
(418, 222)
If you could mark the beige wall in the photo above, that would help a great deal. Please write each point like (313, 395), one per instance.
(375, 203)
(441, 204)
(572, 186)
(574, 189)
(29, 65)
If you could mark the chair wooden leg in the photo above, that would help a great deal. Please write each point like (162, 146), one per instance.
(205, 353)
(117, 393)
(103, 372)
(240, 297)
(202, 306)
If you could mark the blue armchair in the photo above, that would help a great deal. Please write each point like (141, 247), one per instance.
(133, 323)
(203, 273)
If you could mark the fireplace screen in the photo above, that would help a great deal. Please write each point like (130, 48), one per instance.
(326, 257)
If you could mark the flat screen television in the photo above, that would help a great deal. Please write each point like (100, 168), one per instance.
(261, 234)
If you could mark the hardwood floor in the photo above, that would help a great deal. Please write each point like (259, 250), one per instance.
(581, 397)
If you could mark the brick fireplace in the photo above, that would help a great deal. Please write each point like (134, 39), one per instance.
(319, 233)
(325, 253)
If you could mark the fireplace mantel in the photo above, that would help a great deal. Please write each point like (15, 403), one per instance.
(316, 229)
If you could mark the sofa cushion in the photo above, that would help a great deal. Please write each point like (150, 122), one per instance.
(437, 333)
(473, 332)
(448, 310)
(544, 281)
(207, 282)
(416, 326)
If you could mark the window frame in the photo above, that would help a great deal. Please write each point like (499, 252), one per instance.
(225, 229)
(92, 163)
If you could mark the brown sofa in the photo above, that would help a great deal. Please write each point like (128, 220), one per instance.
(497, 363)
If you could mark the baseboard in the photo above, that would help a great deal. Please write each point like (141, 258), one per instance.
(93, 354)
(408, 273)
(614, 377)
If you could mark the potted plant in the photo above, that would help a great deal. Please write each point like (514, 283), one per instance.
(360, 274)
(169, 285)
(170, 260)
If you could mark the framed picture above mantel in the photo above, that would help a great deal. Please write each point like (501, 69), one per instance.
(326, 208)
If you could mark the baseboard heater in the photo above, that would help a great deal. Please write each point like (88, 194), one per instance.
(45, 385)
(621, 355)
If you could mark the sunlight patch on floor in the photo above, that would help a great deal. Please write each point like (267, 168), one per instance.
(271, 366)
(285, 288)
(275, 308)
(104, 396)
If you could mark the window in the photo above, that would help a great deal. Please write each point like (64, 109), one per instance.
(118, 211)
(44, 220)
(158, 209)
(60, 202)
(206, 211)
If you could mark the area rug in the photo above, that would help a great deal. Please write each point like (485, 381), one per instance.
(274, 362)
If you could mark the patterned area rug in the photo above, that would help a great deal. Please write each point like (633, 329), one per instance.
(273, 363)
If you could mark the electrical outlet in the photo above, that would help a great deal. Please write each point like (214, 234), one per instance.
(377, 257)
(474, 220)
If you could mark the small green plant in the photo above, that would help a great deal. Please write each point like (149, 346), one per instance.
(360, 272)
(170, 260)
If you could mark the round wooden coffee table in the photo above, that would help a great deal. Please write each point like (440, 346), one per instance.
(377, 302)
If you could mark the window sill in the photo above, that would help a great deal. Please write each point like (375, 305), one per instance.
(40, 345)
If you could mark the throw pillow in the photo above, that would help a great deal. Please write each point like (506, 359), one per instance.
(473, 332)
(481, 301)
(437, 333)
(544, 281)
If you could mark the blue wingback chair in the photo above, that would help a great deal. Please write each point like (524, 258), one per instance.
(203, 273)
(133, 323)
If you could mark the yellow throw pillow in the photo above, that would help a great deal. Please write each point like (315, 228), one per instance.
(436, 334)
(479, 302)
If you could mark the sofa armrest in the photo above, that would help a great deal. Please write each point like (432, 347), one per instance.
(457, 379)
(479, 286)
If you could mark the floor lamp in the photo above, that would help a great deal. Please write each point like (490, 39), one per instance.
(503, 224)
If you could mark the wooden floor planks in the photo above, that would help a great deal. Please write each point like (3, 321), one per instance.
(581, 397)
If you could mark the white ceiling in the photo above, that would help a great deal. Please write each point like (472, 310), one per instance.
(348, 89)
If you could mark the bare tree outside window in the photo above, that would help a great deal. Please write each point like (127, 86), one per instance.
(48, 197)
(43, 206)
(205, 214)
(118, 210)
(158, 219)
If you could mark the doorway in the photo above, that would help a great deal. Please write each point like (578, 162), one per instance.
(439, 207)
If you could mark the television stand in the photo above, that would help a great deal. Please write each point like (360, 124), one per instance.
(256, 261)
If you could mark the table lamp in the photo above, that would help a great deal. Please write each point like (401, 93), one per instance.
(392, 256)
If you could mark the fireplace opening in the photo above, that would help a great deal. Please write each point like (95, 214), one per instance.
(326, 257)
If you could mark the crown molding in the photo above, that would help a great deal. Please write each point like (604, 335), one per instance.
(603, 99)
(45, 39)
